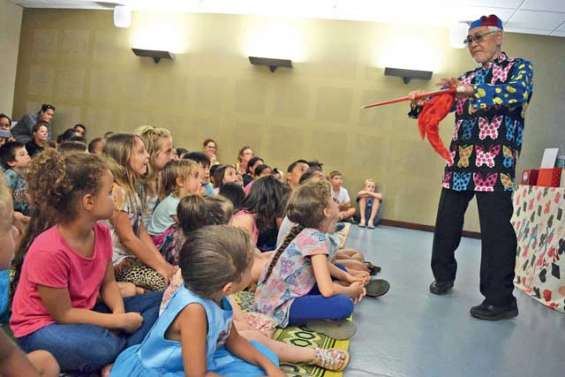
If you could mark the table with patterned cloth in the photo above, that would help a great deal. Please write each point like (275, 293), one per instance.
(539, 221)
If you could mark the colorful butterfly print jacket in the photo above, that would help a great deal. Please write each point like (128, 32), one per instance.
(489, 126)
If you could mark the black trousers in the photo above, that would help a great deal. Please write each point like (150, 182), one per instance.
(498, 241)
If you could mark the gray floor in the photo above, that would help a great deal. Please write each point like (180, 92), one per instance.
(411, 333)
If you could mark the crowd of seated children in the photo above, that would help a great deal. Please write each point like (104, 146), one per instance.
(92, 222)
(195, 212)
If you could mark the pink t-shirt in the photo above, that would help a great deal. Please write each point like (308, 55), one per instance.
(50, 262)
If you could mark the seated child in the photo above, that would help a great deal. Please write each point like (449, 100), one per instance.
(194, 336)
(295, 171)
(40, 139)
(370, 205)
(15, 162)
(67, 299)
(96, 146)
(180, 178)
(193, 212)
(136, 259)
(250, 170)
(341, 196)
(203, 160)
(223, 175)
(262, 211)
(196, 212)
(158, 143)
(69, 147)
(296, 286)
(13, 362)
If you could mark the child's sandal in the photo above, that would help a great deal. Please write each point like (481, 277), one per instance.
(331, 359)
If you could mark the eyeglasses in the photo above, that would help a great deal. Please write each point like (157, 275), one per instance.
(479, 37)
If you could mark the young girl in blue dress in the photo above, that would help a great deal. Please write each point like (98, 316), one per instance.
(194, 336)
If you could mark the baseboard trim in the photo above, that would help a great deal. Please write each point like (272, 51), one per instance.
(425, 228)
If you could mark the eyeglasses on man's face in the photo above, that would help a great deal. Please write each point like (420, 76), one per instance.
(477, 37)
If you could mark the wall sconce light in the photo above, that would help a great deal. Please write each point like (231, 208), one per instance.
(273, 64)
(408, 74)
(122, 16)
(156, 55)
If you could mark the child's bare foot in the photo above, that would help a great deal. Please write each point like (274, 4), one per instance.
(331, 359)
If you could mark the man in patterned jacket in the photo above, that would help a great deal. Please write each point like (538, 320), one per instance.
(489, 125)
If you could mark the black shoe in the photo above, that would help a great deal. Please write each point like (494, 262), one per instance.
(441, 287)
(377, 288)
(494, 313)
(373, 268)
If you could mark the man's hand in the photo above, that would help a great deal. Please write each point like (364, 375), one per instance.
(415, 98)
(462, 90)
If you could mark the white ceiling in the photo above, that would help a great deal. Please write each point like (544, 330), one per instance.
(544, 17)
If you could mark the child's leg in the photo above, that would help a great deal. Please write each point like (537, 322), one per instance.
(362, 204)
(238, 367)
(379, 215)
(285, 352)
(295, 354)
(350, 254)
(148, 306)
(77, 348)
(316, 307)
(45, 363)
(351, 264)
(374, 210)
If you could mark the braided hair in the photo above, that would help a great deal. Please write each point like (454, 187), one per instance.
(295, 231)
(306, 209)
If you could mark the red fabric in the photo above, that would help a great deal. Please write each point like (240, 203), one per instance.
(50, 262)
(433, 112)
(491, 20)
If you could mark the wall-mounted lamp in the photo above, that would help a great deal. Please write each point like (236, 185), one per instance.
(408, 74)
(156, 55)
(273, 64)
(122, 16)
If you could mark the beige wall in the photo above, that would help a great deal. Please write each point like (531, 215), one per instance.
(78, 61)
(10, 25)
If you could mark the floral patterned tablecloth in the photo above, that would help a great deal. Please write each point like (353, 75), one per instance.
(539, 221)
